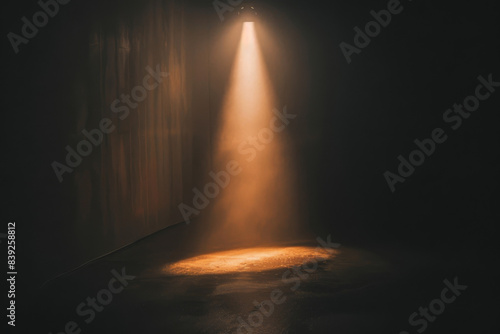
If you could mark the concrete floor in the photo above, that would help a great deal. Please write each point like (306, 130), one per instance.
(357, 291)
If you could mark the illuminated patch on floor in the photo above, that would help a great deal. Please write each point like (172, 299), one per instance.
(247, 260)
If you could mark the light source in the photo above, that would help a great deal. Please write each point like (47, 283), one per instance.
(247, 11)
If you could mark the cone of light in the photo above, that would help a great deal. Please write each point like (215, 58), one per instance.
(258, 203)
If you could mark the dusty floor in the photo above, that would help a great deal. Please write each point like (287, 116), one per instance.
(354, 291)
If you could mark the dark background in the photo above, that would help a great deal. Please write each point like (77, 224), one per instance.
(354, 121)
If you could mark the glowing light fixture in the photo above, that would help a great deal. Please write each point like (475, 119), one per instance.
(247, 12)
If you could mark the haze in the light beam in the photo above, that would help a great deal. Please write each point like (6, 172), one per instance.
(258, 204)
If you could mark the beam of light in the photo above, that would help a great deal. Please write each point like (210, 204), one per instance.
(258, 204)
(246, 260)
(250, 95)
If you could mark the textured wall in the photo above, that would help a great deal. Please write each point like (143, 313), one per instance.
(140, 172)
(143, 170)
